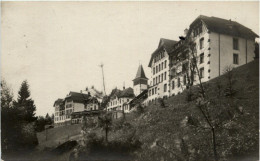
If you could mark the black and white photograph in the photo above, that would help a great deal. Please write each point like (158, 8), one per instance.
(129, 80)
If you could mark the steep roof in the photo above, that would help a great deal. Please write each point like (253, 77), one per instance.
(128, 92)
(140, 73)
(166, 44)
(224, 26)
(77, 97)
(58, 101)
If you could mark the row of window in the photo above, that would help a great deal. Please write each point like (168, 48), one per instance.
(120, 101)
(59, 118)
(160, 78)
(95, 107)
(68, 105)
(159, 56)
(160, 67)
(154, 90)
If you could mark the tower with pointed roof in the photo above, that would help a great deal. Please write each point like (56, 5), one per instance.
(140, 81)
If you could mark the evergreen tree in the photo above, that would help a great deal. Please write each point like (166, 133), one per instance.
(48, 120)
(52, 118)
(25, 103)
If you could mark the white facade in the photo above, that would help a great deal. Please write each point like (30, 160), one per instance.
(116, 103)
(217, 52)
(139, 88)
(159, 76)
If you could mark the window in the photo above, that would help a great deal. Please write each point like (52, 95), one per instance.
(162, 77)
(162, 65)
(153, 70)
(201, 72)
(165, 75)
(235, 58)
(184, 80)
(165, 63)
(201, 43)
(152, 91)
(155, 90)
(156, 80)
(173, 85)
(153, 81)
(149, 92)
(159, 78)
(235, 43)
(165, 87)
(201, 58)
(156, 69)
(179, 82)
(159, 67)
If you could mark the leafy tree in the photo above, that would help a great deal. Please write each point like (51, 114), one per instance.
(40, 123)
(10, 129)
(25, 103)
(105, 122)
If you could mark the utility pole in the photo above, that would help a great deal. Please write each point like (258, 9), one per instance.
(101, 65)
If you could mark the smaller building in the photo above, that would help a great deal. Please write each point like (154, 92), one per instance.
(119, 99)
(59, 114)
(74, 107)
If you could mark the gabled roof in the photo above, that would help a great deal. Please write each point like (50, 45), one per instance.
(140, 73)
(226, 27)
(58, 102)
(77, 97)
(128, 92)
(166, 44)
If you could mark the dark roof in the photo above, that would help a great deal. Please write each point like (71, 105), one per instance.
(140, 73)
(166, 44)
(226, 27)
(142, 95)
(128, 92)
(58, 101)
(77, 97)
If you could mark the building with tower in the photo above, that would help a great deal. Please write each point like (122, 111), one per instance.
(140, 82)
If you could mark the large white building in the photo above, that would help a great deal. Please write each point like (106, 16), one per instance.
(218, 43)
(159, 64)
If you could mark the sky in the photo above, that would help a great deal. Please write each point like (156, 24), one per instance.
(58, 46)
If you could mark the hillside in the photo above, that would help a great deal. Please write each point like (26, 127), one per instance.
(56, 136)
(168, 126)
(179, 131)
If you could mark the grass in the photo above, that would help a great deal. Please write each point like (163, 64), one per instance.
(56, 136)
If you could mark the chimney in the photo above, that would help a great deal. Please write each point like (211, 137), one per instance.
(80, 91)
(124, 85)
(185, 32)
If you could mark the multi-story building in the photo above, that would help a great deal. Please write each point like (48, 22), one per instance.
(120, 99)
(159, 64)
(71, 109)
(219, 43)
(59, 114)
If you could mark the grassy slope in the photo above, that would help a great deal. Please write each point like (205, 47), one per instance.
(58, 135)
(165, 124)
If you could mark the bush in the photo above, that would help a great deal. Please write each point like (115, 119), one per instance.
(98, 149)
